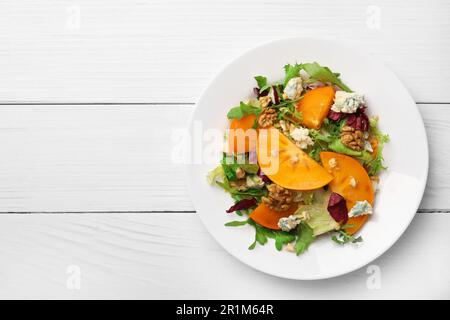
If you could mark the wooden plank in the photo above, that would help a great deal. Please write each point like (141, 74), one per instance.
(135, 256)
(167, 50)
(118, 158)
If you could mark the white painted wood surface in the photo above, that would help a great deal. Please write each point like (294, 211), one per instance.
(166, 50)
(90, 93)
(173, 257)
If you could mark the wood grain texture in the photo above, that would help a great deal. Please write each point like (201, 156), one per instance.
(137, 256)
(167, 50)
(118, 158)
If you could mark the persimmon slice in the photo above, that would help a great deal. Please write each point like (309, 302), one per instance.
(242, 137)
(315, 106)
(355, 223)
(286, 164)
(345, 169)
(268, 218)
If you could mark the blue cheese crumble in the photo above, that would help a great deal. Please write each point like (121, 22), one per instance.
(360, 208)
(301, 137)
(289, 223)
(254, 181)
(294, 88)
(347, 102)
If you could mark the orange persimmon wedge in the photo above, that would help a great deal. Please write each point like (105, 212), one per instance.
(315, 106)
(286, 164)
(268, 218)
(239, 139)
(374, 143)
(355, 223)
(347, 168)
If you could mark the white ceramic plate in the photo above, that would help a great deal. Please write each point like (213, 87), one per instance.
(402, 185)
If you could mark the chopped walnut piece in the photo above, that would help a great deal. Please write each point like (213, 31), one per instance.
(279, 198)
(352, 138)
(264, 101)
(267, 118)
(240, 173)
(239, 185)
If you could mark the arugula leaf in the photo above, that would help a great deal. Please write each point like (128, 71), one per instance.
(323, 74)
(229, 167)
(230, 164)
(282, 238)
(257, 193)
(244, 109)
(291, 71)
(333, 128)
(290, 113)
(260, 236)
(321, 141)
(254, 193)
(236, 223)
(304, 238)
(343, 237)
(328, 137)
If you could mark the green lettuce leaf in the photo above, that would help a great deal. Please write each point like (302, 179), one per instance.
(291, 71)
(244, 109)
(320, 220)
(304, 238)
(216, 174)
(323, 74)
(262, 83)
(375, 165)
(337, 146)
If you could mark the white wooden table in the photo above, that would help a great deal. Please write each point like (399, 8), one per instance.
(90, 93)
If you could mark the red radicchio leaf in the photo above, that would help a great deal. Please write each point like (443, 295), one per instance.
(243, 204)
(337, 208)
(275, 95)
(336, 116)
(258, 93)
(315, 85)
(358, 120)
(263, 176)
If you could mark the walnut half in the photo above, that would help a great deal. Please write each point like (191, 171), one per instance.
(352, 138)
(279, 198)
(267, 117)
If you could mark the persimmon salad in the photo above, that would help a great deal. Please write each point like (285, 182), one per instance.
(302, 159)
